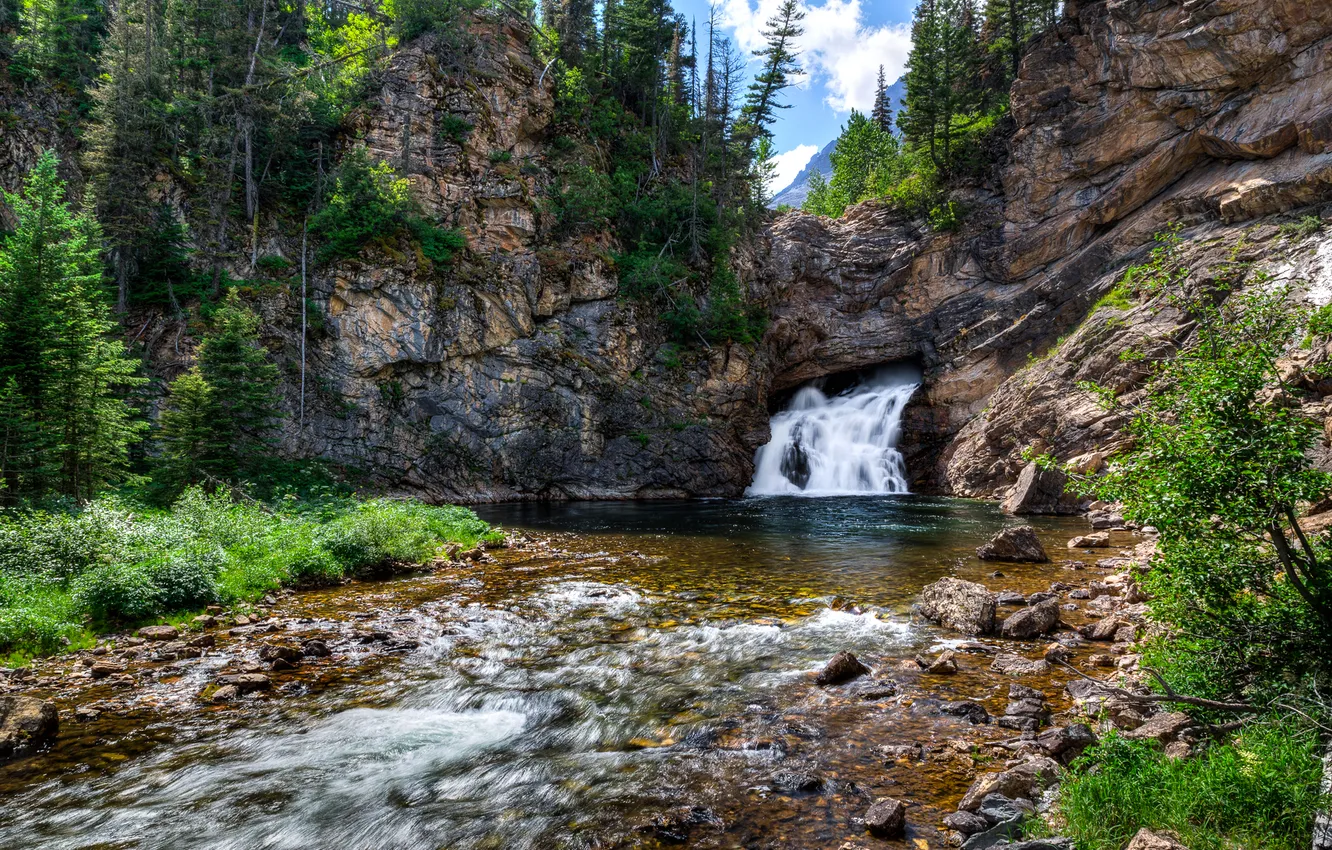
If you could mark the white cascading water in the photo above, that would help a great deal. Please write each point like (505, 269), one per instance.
(840, 446)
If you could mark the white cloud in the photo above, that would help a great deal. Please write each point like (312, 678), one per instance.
(839, 49)
(788, 165)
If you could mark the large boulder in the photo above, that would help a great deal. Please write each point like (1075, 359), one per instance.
(1032, 622)
(1040, 491)
(963, 606)
(1025, 780)
(1018, 544)
(1165, 727)
(27, 725)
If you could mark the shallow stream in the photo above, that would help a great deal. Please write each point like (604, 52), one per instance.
(640, 674)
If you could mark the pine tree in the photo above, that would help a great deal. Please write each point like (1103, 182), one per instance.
(780, 68)
(243, 383)
(65, 374)
(882, 113)
(942, 82)
(193, 449)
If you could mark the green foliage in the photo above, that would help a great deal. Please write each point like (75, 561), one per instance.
(414, 17)
(64, 425)
(216, 423)
(454, 129)
(1220, 466)
(1259, 791)
(867, 163)
(371, 203)
(113, 562)
(499, 156)
(1297, 231)
(368, 201)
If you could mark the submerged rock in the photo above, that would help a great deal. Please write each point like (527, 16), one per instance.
(1018, 544)
(972, 712)
(27, 724)
(843, 667)
(1016, 665)
(945, 664)
(964, 606)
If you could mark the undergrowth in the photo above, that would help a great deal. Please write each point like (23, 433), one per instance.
(66, 575)
(1259, 791)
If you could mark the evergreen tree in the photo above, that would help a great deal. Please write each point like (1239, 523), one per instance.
(242, 381)
(882, 112)
(780, 68)
(193, 447)
(67, 426)
(943, 92)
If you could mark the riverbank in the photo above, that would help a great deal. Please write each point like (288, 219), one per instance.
(67, 577)
(669, 681)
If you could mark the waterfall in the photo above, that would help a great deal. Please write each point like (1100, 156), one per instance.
(838, 446)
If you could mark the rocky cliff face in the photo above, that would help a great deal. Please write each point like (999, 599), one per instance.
(518, 373)
(1132, 116)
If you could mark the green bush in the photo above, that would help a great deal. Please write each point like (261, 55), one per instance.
(1259, 792)
(454, 129)
(112, 563)
(118, 592)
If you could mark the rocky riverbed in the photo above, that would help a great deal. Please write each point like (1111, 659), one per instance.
(701, 708)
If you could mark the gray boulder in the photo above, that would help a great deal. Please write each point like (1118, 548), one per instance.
(886, 818)
(1031, 622)
(1018, 544)
(1040, 491)
(964, 606)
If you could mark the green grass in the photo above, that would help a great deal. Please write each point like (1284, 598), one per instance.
(1116, 299)
(66, 575)
(1260, 792)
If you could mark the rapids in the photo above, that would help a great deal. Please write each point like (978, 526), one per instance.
(636, 660)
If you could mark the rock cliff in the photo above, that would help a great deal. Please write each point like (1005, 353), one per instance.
(1132, 117)
(519, 372)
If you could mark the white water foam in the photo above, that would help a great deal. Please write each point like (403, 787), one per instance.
(840, 446)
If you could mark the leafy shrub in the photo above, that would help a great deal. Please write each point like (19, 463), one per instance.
(451, 128)
(368, 200)
(498, 156)
(112, 563)
(118, 592)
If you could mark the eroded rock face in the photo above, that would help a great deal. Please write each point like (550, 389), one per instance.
(521, 373)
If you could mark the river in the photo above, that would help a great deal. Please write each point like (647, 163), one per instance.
(639, 674)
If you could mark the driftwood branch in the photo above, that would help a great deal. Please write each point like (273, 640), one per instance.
(1170, 696)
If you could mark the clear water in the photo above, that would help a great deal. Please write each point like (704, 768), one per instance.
(651, 656)
(840, 445)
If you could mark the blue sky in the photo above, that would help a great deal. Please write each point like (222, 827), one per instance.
(845, 42)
